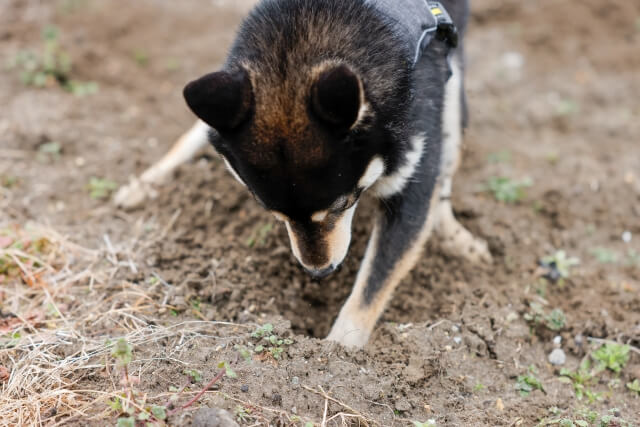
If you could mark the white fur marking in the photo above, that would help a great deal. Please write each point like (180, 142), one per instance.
(279, 216)
(233, 172)
(452, 127)
(373, 172)
(392, 184)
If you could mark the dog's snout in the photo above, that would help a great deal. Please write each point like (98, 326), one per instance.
(319, 274)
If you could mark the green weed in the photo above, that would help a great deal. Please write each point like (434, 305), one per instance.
(555, 320)
(507, 190)
(604, 255)
(581, 379)
(259, 235)
(527, 383)
(101, 188)
(559, 266)
(612, 356)
(269, 343)
(50, 67)
(634, 386)
(502, 156)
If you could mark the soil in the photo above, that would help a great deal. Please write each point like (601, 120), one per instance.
(554, 93)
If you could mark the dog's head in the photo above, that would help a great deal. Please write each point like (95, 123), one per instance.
(305, 147)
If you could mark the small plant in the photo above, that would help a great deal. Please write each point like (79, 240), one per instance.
(269, 344)
(507, 190)
(259, 235)
(633, 258)
(100, 188)
(8, 181)
(555, 320)
(604, 255)
(634, 386)
(612, 356)
(581, 379)
(478, 387)
(52, 66)
(502, 156)
(141, 57)
(527, 383)
(230, 373)
(133, 408)
(194, 375)
(243, 415)
(558, 266)
(612, 419)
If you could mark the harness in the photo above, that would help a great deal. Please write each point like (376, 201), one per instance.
(419, 22)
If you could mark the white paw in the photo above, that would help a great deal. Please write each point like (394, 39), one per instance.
(134, 194)
(464, 245)
(346, 332)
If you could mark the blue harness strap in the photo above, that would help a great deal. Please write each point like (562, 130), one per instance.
(419, 22)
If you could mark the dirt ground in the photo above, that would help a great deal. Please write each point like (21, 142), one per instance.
(554, 92)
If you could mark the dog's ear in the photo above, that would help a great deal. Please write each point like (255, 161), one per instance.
(222, 99)
(336, 97)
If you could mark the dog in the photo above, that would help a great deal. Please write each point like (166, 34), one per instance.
(322, 100)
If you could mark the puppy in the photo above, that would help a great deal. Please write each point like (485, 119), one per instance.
(322, 100)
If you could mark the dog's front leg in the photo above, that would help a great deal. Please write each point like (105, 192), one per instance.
(185, 148)
(403, 225)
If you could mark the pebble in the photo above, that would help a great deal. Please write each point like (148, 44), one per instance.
(557, 357)
(627, 236)
(295, 380)
(454, 328)
(457, 340)
(213, 417)
(244, 388)
(557, 341)
(579, 339)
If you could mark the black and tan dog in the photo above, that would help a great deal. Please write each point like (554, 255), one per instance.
(321, 100)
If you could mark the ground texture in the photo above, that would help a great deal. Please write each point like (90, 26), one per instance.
(554, 90)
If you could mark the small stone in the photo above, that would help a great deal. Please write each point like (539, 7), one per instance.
(499, 405)
(557, 341)
(454, 328)
(579, 339)
(627, 236)
(244, 388)
(295, 380)
(557, 357)
(402, 405)
(212, 417)
(457, 340)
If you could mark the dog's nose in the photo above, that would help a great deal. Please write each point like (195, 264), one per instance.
(319, 274)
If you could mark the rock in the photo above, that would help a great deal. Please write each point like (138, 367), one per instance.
(402, 405)
(213, 417)
(244, 388)
(557, 341)
(457, 340)
(557, 357)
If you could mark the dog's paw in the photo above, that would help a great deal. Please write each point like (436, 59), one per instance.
(347, 333)
(134, 194)
(463, 244)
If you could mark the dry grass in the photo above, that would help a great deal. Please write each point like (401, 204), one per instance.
(60, 307)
